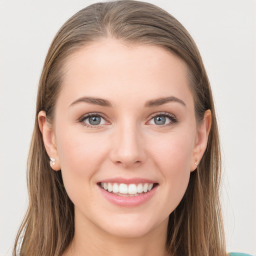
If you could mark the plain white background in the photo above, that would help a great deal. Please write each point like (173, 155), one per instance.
(224, 31)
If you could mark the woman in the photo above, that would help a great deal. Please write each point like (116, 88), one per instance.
(125, 153)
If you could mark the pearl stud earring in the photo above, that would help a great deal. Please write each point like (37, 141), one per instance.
(52, 161)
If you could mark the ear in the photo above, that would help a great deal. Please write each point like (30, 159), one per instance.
(203, 131)
(49, 140)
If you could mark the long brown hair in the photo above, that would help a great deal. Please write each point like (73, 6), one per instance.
(195, 226)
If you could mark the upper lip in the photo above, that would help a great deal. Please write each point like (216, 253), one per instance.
(127, 181)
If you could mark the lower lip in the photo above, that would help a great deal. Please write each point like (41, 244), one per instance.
(128, 200)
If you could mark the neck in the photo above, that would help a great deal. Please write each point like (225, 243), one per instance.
(97, 242)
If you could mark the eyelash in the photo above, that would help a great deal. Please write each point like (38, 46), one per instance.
(83, 118)
(172, 118)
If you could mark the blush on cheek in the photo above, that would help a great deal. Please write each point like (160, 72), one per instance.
(174, 153)
(172, 157)
(78, 162)
(77, 169)
(78, 151)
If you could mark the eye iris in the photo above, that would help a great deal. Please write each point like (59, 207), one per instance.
(94, 120)
(160, 120)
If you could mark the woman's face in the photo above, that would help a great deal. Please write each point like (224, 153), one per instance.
(124, 136)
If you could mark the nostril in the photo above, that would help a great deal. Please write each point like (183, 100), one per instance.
(127, 163)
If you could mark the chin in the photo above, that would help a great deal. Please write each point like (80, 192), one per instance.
(132, 226)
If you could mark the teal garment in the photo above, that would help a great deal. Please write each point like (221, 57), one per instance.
(239, 254)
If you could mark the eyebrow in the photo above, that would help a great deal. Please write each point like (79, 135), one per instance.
(150, 103)
(91, 100)
(161, 101)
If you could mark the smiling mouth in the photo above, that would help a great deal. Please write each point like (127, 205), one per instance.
(127, 190)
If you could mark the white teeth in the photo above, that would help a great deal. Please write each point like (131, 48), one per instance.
(140, 188)
(110, 187)
(145, 188)
(115, 188)
(132, 190)
(125, 189)
(150, 186)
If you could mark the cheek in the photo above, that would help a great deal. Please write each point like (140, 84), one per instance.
(80, 156)
(173, 152)
(172, 156)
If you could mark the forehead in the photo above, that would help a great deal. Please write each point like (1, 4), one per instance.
(111, 68)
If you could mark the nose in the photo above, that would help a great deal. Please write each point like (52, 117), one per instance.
(128, 148)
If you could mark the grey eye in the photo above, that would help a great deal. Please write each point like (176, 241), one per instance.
(160, 120)
(163, 119)
(94, 120)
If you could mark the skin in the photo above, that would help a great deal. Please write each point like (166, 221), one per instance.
(128, 143)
